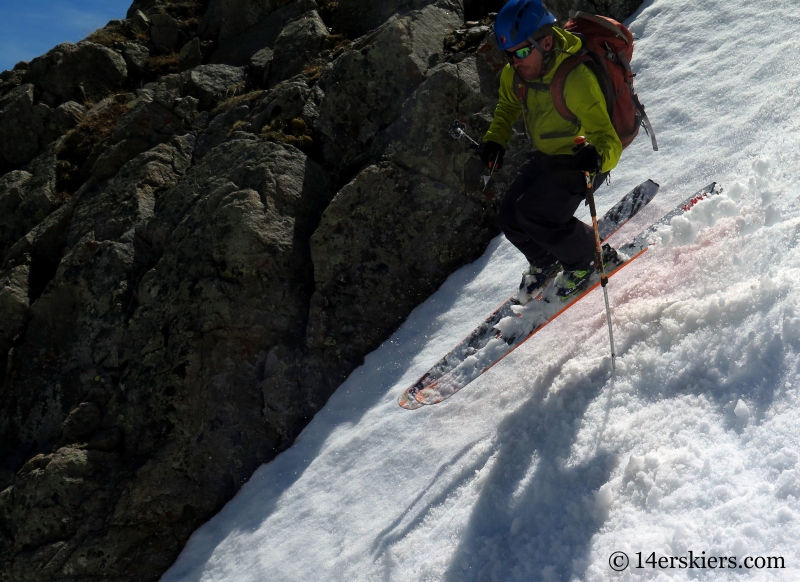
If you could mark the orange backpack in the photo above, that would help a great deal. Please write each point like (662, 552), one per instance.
(607, 51)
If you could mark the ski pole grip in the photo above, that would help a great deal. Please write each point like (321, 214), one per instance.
(580, 143)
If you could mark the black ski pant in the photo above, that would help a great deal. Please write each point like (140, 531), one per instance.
(536, 213)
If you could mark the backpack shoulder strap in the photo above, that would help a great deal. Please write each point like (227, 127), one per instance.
(521, 87)
(520, 90)
(559, 80)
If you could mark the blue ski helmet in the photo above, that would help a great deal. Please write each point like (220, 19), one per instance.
(518, 20)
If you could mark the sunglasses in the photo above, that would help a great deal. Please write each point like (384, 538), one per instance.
(522, 53)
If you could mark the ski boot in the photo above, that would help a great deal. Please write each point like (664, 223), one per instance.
(571, 282)
(533, 281)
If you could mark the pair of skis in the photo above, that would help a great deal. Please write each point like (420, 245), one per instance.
(511, 324)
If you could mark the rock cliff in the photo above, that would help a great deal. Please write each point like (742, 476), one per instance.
(210, 212)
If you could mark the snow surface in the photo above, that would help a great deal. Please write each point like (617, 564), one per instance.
(543, 467)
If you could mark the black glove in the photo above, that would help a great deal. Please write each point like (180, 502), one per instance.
(586, 158)
(490, 151)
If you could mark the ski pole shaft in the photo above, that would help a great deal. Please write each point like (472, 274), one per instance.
(580, 142)
(603, 277)
(472, 141)
(457, 131)
(489, 177)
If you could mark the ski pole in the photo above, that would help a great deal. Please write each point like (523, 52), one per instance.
(489, 177)
(456, 132)
(580, 142)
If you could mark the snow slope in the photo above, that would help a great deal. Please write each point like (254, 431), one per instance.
(543, 467)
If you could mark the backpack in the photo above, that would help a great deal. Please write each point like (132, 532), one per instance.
(607, 51)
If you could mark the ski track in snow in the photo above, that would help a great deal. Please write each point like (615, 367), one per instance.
(543, 467)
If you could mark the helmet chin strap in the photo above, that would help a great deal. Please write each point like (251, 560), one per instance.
(545, 54)
(535, 44)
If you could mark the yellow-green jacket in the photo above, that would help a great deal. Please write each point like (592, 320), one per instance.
(551, 133)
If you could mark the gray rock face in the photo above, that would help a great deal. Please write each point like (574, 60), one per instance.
(229, 18)
(135, 55)
(141, 124)
(244, 28)
(71, 475)
(389, 234)
(116, 155)
(219, 130)
(419, 139)
(63, 118)
(198, 266)
(300, 41)
(19, 125)
(355, 18)
(14, 304)
(78, 72)
(211, 82)
(140, 22)
(165, 33)
(365, 88)
(26, 198)
(260, 64)
(191, 55)
(149, 119)
(13, 193)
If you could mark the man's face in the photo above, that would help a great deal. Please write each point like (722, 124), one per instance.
(531, 66)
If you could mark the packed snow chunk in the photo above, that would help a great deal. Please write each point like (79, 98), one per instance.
(791, 326)
(683, 228)
(707, 211)
(722, 493)
(788, 484)
(762, 173)
(772, 215)
(634, 466)
(682, 538)
(736, 191)
(741, 411)
(682, 231)
(784, 459)
(752, 531)
(603, 500)
(740, 547)
(653, 497)
(746, 227)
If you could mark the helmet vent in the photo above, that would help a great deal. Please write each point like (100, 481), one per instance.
(520, 14)
(519, 20)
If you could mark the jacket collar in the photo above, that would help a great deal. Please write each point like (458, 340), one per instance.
(565, 44)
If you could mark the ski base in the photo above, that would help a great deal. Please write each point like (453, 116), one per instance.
(611, 222)
(511, 333)
(515, 324)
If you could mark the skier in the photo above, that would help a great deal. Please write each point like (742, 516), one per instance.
(536, 213)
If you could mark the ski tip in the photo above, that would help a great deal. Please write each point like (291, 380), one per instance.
(409, 402)
(429, 396)
(701, 195)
